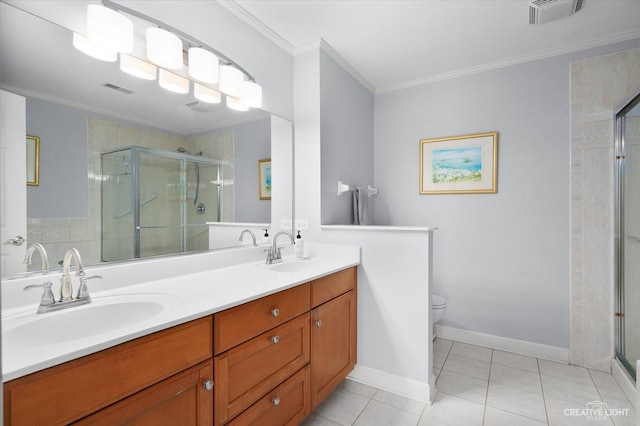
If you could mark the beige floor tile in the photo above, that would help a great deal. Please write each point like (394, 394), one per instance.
(342, 407)
(566, 372)
(514, 378)
(398, 401)
(471, 351)
(452, 411)
(467, 366)
(520, 362)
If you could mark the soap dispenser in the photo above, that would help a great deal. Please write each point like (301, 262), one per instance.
(266, 239)
(299, 247)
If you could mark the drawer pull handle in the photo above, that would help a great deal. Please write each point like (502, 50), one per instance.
(275, 401)
(208, 385)
(275, 312)
(275, 339)
(318, 323)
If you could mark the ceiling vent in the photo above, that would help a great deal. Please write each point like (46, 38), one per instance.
(543, 11)
(118, 88)
(200, 106)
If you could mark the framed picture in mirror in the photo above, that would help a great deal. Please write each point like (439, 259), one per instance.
(33, 160)
(264, 179)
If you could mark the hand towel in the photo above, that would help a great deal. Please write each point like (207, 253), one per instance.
(361, 206)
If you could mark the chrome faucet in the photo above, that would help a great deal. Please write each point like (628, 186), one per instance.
(48, 302)
(250, 232)
(44, 258)
(274, 255)
(66, 288)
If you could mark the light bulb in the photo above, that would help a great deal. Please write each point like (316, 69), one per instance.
(137, 67)
(231, 80)
(206, 94)
(251, 94)
(203, 65)
(173, 82)
(87, 47)
(109, 29)
(235, 104)
(164, 48)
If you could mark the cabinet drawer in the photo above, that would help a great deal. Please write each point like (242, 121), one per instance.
(179, 400)
(331, 286)
(288, 404)
(92, 382)
(247, 372)
(239, 324)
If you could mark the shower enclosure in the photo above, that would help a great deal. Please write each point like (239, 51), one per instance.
(157, 202)
(627, 233)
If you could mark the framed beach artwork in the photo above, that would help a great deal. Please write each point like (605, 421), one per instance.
(33, 160)
(465, 164)
(264, 179)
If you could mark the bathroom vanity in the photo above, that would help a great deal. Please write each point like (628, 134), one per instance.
(270, 358)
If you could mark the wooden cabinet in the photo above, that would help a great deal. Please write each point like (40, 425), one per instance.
(276, 358)
(73, 390)
(333, 333)
(247, 372)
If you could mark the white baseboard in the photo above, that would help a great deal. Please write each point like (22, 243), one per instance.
(522, 347)
(409, 388)
(626, 382)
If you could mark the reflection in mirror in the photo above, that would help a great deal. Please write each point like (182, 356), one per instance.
(187, 162)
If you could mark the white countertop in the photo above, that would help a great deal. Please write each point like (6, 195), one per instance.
(187, 296)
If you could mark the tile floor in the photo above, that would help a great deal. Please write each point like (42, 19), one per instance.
(480, 386)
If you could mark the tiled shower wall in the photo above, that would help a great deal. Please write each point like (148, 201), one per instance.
(598, 85)
(84, 233)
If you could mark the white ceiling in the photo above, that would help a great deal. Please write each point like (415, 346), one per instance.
(391, 44)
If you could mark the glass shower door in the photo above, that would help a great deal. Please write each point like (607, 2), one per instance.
(160, 199)
(628, 232)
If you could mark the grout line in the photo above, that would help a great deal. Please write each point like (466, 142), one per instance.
(544, 399)
(486, 394)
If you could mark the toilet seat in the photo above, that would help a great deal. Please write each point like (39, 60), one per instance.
(438, 302)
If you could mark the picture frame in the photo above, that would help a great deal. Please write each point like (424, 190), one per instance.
(264, 179)
(466, 164)
(33, 160)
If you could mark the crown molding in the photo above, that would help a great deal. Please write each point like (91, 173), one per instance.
(234, 7)
(333, 54)
(513, 61)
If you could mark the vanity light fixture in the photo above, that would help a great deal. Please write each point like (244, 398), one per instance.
(203, 65)
(111, 32)
(205, 94)
(137, 67)
(164, 48)
(88, 47)
(235, 104)
(173, 82)
(109, 29)
(231, 79)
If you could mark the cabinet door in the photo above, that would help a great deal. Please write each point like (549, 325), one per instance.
(333, 345)
(286, 405)
(180, 400)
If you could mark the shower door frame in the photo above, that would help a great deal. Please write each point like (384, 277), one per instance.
(135, 193)
(619, 202)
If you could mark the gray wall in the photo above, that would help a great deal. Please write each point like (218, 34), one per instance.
(501, 260)
(251, 142)
(346, 120)
(63, 160)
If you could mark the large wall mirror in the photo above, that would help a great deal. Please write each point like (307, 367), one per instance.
(126, 169)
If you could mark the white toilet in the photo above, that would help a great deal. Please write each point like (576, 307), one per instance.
(438, 308)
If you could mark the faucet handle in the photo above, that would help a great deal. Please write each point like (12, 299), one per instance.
(47, 295)
(83, 291)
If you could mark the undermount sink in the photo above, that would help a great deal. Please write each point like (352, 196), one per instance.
(291, 266)
(102, 315)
